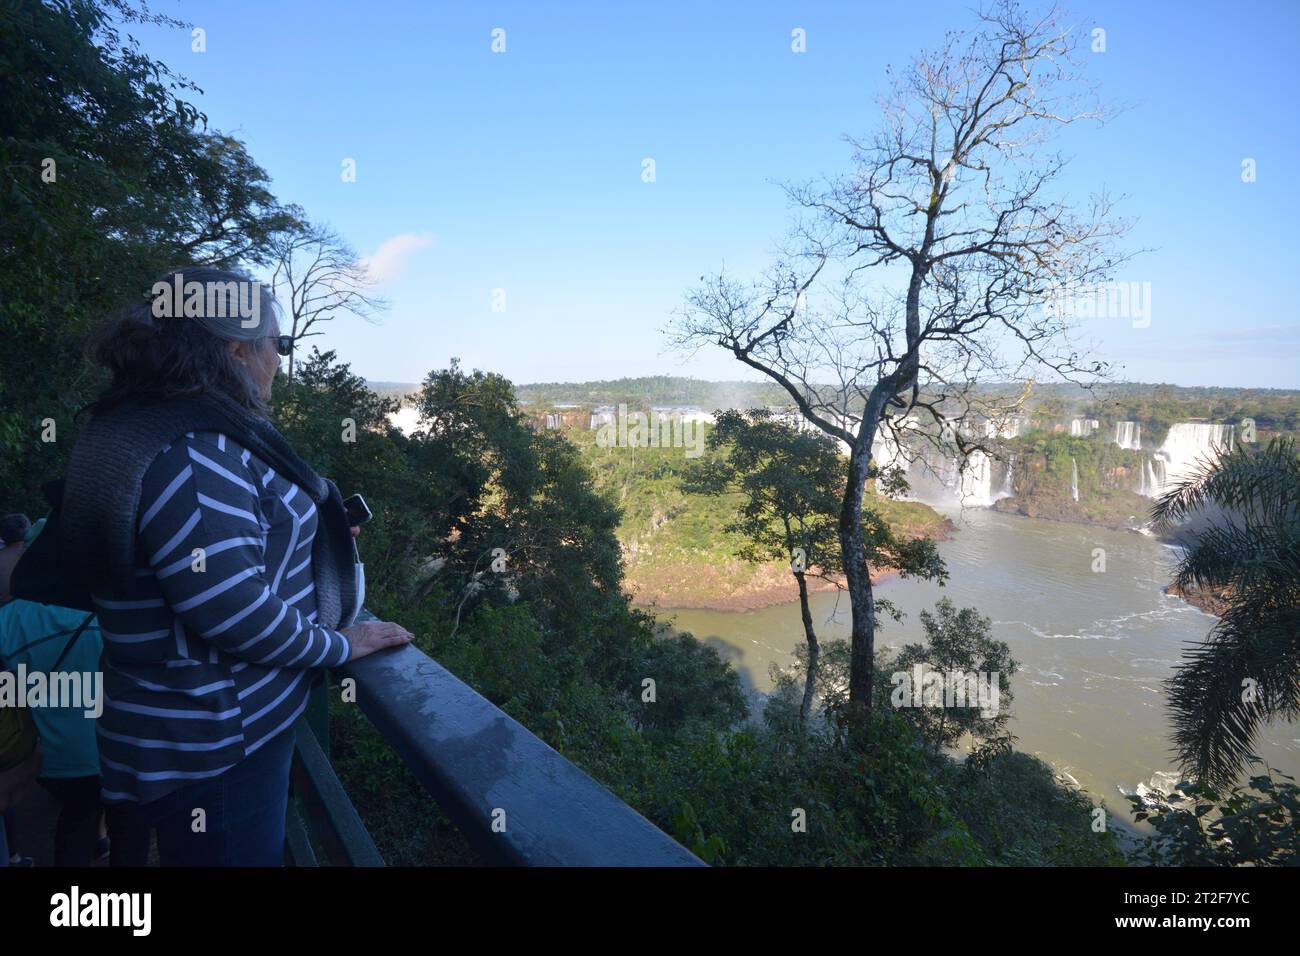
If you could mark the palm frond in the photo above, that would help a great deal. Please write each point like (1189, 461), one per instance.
(1242, 557)
(1244, 675)
(1247, 671)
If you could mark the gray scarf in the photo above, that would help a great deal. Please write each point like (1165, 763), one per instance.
(101, 494)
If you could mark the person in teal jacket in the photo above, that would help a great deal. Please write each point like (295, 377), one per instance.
(54, 655)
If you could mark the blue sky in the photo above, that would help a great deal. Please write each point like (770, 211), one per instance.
(522, 170)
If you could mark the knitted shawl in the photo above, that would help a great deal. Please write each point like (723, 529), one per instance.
(99, 512)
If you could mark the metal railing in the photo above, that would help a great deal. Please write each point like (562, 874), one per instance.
(517, 800)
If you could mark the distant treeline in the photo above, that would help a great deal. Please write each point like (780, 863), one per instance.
(1155, 406)
(668, 390)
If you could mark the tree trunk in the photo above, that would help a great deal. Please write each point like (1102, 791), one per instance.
(293, 352)
(814, 649)
(858, 577)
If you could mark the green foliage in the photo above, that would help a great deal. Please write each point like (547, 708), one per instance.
(687, 829)
(1044, 464)
(1022, 815)
(956, 641)
(692, 684)
(789, 482)
(657, 390)
(678, 543)
(567, 659)
(1199, 825)
(800, 797)
(140, 185)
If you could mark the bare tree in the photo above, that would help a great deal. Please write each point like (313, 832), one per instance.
(317, 275)
(910, 288)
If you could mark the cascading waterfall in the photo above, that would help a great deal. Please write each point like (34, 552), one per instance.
(976, 480)
(1186, 448)
(887, 454)
(1156, 468)
(1009, 427)
(971, 482)
(1128, 435)
(944, 478)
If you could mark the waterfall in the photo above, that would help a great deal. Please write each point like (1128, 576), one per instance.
(1188, 446)
(886, 453)
(1128, 435)
(947, 479)
(1010, 427)
(1008, 486)
(944, 478)
(1074, 480)
(1147, 483)
(1083, 427)
(976, 480)
(406, 419)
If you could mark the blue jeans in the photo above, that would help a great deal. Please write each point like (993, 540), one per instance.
(8, 834)
(244, 810)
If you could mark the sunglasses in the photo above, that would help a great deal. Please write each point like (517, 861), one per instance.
(283, 344)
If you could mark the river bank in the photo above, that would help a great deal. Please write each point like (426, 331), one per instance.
(733, 586)
(668, 573)
(1211, 601)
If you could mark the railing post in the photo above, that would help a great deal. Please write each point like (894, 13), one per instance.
(318, 712)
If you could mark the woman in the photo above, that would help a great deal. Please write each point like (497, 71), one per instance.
(221, 567)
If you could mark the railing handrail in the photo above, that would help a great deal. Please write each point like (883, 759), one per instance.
(516, 799)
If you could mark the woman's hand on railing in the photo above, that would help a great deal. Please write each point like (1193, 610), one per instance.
(371, 636)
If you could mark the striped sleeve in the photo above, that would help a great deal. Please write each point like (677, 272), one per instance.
(202, 532)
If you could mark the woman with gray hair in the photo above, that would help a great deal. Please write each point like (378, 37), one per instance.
(221, 566)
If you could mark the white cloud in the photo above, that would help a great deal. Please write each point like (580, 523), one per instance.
(393, 255)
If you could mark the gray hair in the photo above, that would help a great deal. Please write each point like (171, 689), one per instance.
(175, 346)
